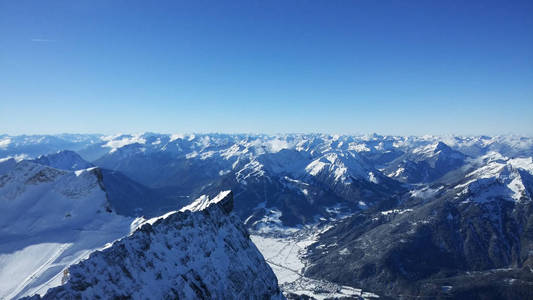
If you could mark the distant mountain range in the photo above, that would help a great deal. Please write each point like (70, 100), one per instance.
(398, 216)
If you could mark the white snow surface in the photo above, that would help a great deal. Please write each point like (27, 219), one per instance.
(495, 177)
(115, 142)
(284, 250)
(52, 219)
(4, 143)
(203, 201)
(342, 167)
(198, 204)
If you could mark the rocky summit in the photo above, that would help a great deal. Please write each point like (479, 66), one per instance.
(202, 253)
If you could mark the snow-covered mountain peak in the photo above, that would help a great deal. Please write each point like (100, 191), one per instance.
(55, 218)
(40, 198)
(499, 176)
(64, 160)
(441, 146)
(494, 164)
(524, 163)
(115, 142)
(225, 198)
(203, 254)
(26, 172)
(342, 167)
(432, 149)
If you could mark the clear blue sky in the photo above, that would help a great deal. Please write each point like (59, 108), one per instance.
(392, 67)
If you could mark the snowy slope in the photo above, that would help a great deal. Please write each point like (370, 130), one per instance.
(127, 197)
(426, 163)
(57, 218)
(202, 252)
(285, 251)
(497, 176)
(51, 219)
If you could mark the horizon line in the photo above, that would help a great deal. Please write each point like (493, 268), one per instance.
(268, 134)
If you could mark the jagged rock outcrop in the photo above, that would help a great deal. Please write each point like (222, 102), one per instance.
(201, 252)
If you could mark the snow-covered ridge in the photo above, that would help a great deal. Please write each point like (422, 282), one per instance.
(341, 167)
(496, 171)
(224, 198)
(52, 218)
(470, 145)
(243, 153)
(64, 160)
(187, 255)
(4, 142)
(47, 197)
(115, 142)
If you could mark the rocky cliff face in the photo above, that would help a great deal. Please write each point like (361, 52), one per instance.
(201, 252)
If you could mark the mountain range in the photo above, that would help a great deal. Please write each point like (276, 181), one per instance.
(350, 216)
